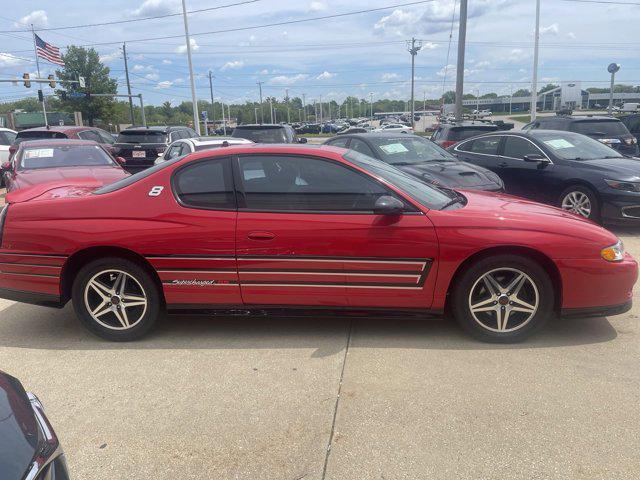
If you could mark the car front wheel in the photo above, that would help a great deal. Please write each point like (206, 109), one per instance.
(116, 299)
(580, 200)
(503, 299)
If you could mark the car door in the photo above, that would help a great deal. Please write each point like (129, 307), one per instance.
(307, 236)
(482, 151)
(526, 179)
(194, 254)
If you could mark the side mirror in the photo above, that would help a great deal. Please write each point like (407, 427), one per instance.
(121, 160)
(536, 157)
(388, 205)
(6, 167)
(302, 140)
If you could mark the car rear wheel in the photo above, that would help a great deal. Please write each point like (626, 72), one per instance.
(582, 201)
(116, 299)
(503, 299)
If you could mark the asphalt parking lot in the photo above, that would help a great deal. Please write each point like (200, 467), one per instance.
(340, 398)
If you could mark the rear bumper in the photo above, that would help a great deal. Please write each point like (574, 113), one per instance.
(596, 311)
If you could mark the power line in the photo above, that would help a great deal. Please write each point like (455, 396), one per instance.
(604, 2)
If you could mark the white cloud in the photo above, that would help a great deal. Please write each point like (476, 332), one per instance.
(8, 60)
(264, 71)
(139, 68)
(37, 17)
(552, 29)
(150, 8)
(183, 48)
(317, 6)
(166, 62)
(386, 77)
(152, 76)
(517, 55)
(179, 80)
(232, 65)
(164, 84)
(287, 80)
(325, 75)
(110, 57)
(570, 35)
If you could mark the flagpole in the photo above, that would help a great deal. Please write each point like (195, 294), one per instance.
(35, 50)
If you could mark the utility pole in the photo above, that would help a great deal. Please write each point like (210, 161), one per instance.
(478, 98)
(286, 94)
(213, 108)
(424, 102)
(196, 118)
(413, 47)
(320, 108)
(510, 98)
(371, 104)
(462, 36)
(271, 109)
(261, 110)
(224, 123)
(304, 106)
(126, 72)
(534, 80)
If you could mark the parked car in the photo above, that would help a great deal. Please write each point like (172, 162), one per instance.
(349, 130)
(566, 169)
(481, 113)
(309, 128)
(285, 227)
(190, 145)
(330, 128)
(267, 133)
(447, 134)
(608, 130)
(29, 447)
(421, 158)
(61, 162)
(141, 146)
(632, 122)
(62, 132)
(394, 128)
(7, 137)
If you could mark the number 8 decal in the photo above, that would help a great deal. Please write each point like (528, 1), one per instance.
(155, 191)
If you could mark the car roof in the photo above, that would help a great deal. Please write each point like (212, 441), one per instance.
(58, 128)
(260, 125)
(366, 135)
(580, 118)
(56, 142)
(217, 140)
(154, 128)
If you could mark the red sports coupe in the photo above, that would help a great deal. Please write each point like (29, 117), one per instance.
(61, 162)
(275, 227)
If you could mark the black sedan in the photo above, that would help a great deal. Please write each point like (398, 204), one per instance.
(569, 170)
(29, 448)
(421, 158)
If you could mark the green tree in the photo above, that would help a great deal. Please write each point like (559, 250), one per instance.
(83, 62)
(523, 92)
(548, 87)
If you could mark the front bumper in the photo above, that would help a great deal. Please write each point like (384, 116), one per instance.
(620, 208)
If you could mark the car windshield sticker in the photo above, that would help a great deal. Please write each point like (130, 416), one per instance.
(39, 153)
(558, 143)
(392, 148)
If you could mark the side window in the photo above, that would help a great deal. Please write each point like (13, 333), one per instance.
(105, 137)
(7, 138)
(206, 184)
(465, 146)
(517, 147)
(339, 142)
(174, 151)
(634, 125)
(90, 135)
(360, 146)
(486, 145)
(291, 183)
(173, 136)
(184, 150)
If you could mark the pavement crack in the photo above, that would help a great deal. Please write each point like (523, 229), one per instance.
(335, 408)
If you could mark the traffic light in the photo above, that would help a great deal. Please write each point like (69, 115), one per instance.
(40, 96)
(52, 81)
(25, 77)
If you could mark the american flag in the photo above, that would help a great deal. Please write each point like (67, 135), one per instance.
(48, 52)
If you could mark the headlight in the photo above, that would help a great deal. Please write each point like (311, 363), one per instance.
(626, 186)
(614, 253)
(610, 141)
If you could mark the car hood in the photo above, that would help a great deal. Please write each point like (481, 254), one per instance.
(69, 175)
(624, 168)
(455, 174)
(18, 429)
(495, 212)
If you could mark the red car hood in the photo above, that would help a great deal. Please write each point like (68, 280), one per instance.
(67, 181)
(500, 211)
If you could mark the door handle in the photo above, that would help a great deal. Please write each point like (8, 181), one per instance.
(503, 164)
(261, 236)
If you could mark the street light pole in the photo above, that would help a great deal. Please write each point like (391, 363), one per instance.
(196, 120)
(261, 110)
(286, 94)
(414, 48)
(371, 104)
(213, 108)
(462, 37)
(534, 82)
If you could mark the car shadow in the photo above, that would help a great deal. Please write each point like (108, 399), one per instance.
(26, 326)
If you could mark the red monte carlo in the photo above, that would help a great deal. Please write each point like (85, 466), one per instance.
(269, 227)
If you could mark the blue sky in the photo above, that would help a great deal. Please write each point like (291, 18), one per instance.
(351, 55)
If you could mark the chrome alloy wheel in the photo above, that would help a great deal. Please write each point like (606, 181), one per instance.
(577, 202)
(115, 299)
(504, 300)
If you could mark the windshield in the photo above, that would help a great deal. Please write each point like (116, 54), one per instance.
(573, 146)
(424, 194)
(467, 132)
(37, 135)
(137, 136)
(409, 150)
(600, 128)
(261, 135)
(63, 156)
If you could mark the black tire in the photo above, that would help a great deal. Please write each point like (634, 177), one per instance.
(593, 200)
(519, 329)
(138, 282)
